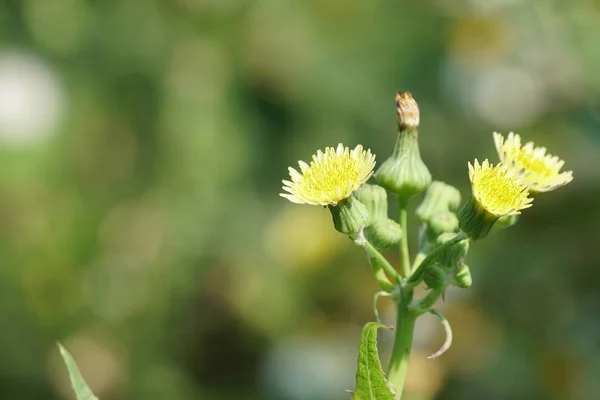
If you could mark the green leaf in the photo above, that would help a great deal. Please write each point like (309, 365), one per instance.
(371, 383)
(82, 391)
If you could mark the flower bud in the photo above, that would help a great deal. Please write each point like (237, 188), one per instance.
(462, 277)
(374, 197)
(384, 233)
(442, 222)
(349, 216)
(435, 277)
(454, 254)
(407, 111)
(404, 173)
(439, 197)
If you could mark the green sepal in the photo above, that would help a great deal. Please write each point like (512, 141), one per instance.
(404, 173)
(349, 216)
(475, 221)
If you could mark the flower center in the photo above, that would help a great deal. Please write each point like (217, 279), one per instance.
(498, 191)
(533, 163)
(331, 175)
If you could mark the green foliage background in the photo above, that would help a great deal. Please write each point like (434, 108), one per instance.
(140, 223)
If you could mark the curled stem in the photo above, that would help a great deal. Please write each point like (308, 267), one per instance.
(376, 297)
(448, 342)
(424, 305)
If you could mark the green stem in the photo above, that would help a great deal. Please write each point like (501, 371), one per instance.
(404, 256)
(380, 275)
(403, 339)
(423, 305)
(418, 274)
(378, 258)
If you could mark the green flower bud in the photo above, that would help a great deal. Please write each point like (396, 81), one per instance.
(349, 216)
(384, 233)
(374, 197)
(404, 173)
(454, 254)
(435, 277)
(442, 222)
(439, 197)
(462, 277)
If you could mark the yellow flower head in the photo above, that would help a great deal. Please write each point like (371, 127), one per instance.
(331, 177)
(497, 190)
(539, 170)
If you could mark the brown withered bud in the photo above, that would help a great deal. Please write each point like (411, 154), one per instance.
(407, 110)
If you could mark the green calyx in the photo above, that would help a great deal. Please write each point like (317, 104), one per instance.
(475, 221)
(349, 216)
(404, 173)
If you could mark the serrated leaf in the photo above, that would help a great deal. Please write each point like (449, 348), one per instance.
(371, 383)
(82, 391)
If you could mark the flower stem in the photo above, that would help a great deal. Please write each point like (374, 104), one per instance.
(424, 305)
(379, 274)
(405, 325)
(404, 256)
(377, 258)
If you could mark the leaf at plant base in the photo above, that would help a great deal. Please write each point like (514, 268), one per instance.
(82, 391)
(371, 383)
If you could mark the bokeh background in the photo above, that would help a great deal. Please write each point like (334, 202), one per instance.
(142, 145)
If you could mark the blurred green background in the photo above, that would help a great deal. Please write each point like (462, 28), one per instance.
(142, 145)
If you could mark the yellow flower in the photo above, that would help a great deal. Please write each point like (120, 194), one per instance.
(331, 177)
(539, 170)
(497, 189)
(496, 192)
